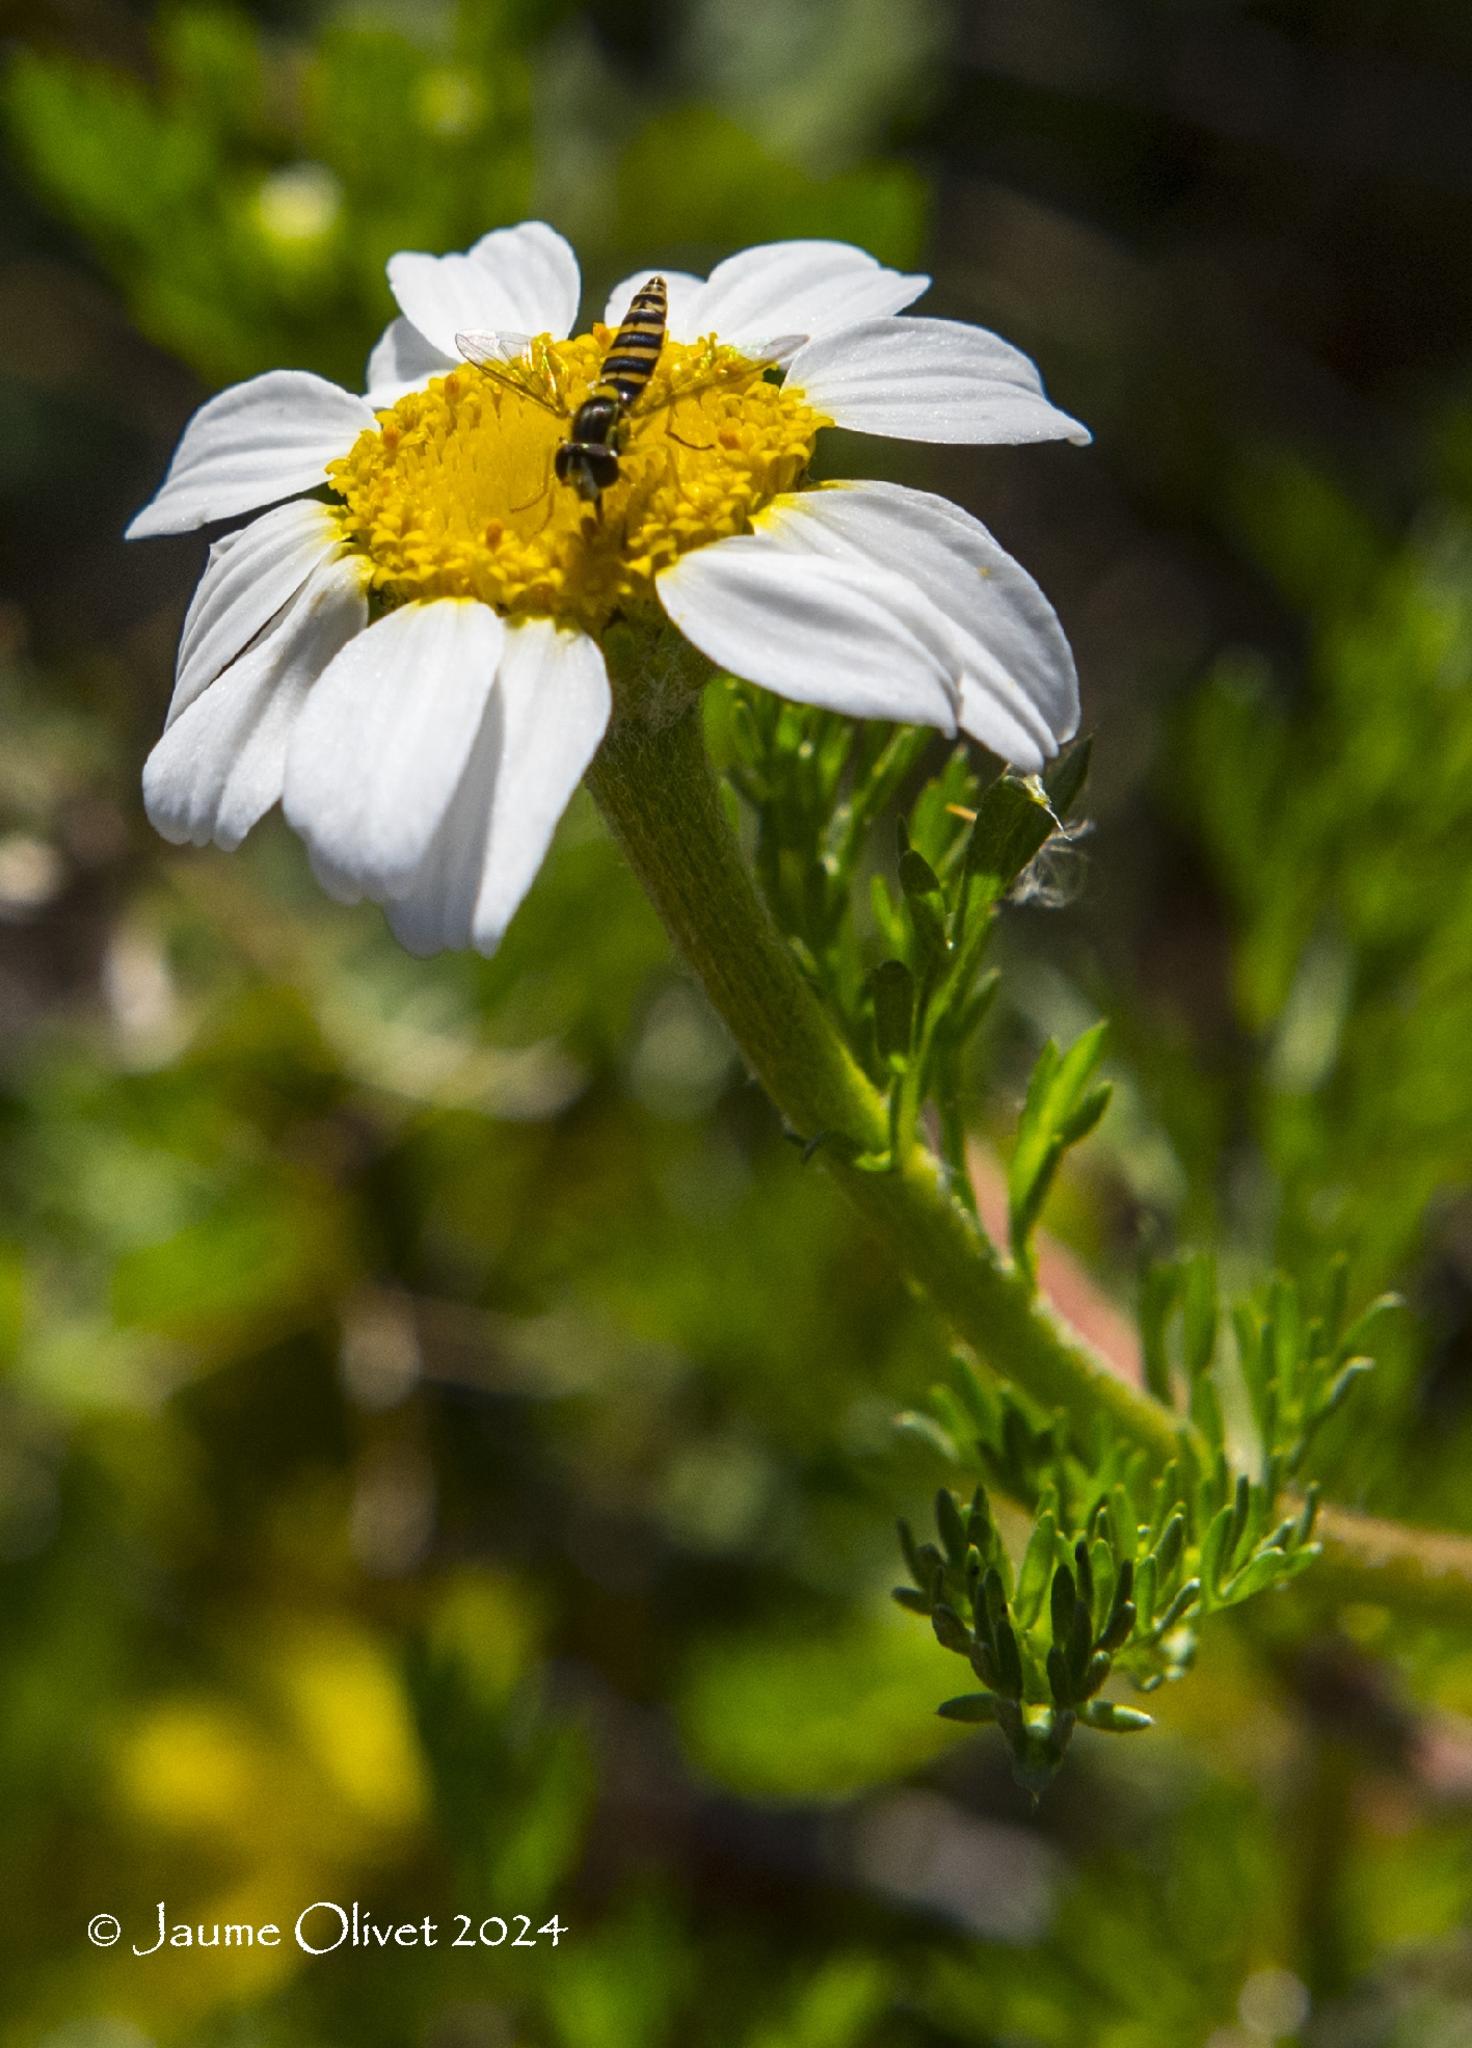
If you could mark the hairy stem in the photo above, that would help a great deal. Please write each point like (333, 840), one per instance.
(1427, 1572)
(653, 782)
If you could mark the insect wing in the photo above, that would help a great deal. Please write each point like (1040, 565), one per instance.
(724, 375)
(504, 357)
(503, 345)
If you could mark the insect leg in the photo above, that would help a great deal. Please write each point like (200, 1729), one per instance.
(544, 492)
(699, 446)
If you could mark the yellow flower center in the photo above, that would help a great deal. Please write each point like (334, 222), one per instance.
(454, 494)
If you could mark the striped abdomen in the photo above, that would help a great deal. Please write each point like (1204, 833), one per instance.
(627, 367)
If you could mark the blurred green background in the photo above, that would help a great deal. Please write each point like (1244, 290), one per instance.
(445, 1447)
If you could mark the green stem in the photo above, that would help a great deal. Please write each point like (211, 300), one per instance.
(653, 782)
(1426, 1572)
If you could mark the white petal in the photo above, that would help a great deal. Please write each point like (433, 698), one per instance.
(851, 638)
(383, 739)
(443, 296)
(402, 361)
(793, 288)
(929, 380)
(553, 702)
(524, 277)
(1020, 689)
(542, 726)
(437, 911)
(248, 578)
(680, 283)
(537, 270)
(342, 887)
(218, 768)
(255, 443)
(778, 350)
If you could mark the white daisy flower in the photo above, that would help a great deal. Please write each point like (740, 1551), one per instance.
(409, 659)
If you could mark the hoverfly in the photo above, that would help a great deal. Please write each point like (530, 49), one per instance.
(588, 458)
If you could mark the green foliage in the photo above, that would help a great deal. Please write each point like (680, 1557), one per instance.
(444, 1450)
(1063, 1104)
(844, 1698)
(694, 175)
(1120, 1563)
(263, 195)
(260, 203)
(815, 781)
(1040, 1680)
(1116, 1565)
(1333, 820)
(836, 2007)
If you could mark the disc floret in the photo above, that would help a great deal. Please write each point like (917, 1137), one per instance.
(452, 493)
